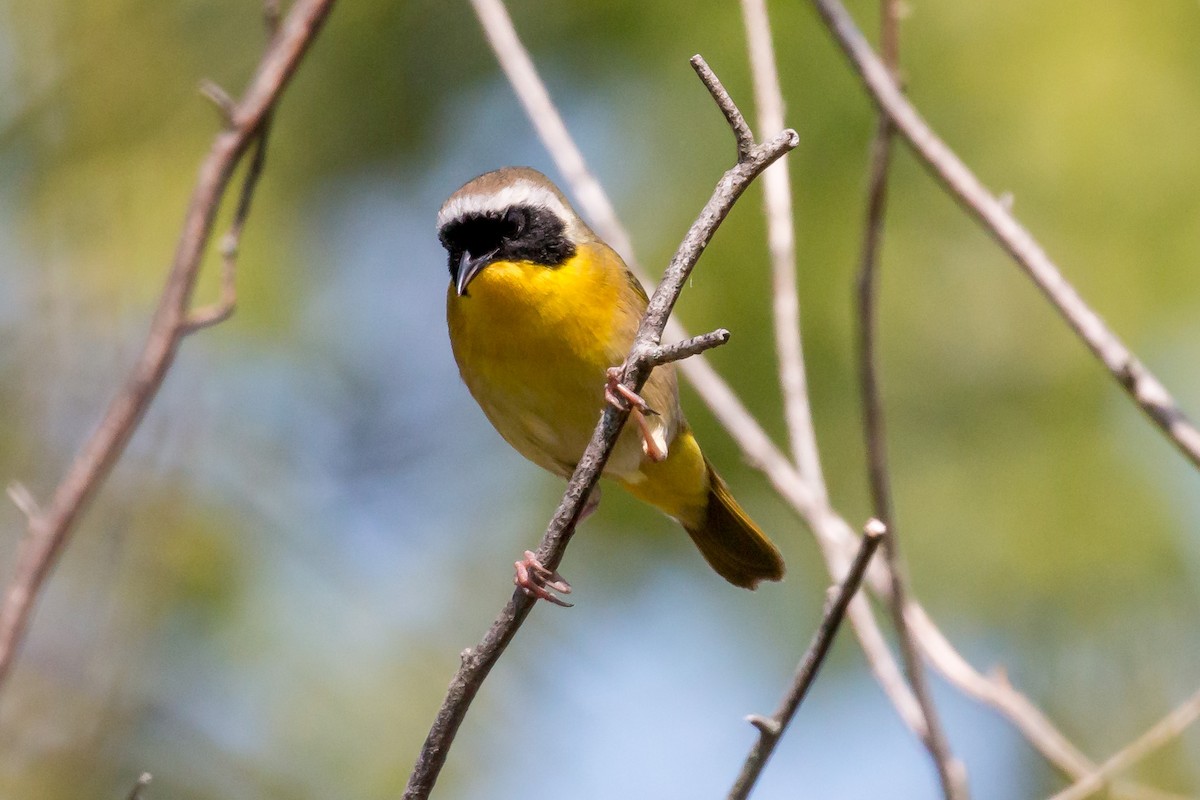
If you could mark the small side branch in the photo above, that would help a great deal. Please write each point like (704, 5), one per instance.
(696, 345)
(24, 500)
(770, 729)
(737, 123)
(997, 219)
(478, 662)
(207, 316)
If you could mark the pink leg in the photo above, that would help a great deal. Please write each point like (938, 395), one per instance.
(621, 396)
(538, 582)
(532, 576)
(649, 445)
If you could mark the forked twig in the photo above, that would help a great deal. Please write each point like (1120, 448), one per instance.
(770, 729)
(49, 529)
(478, 662)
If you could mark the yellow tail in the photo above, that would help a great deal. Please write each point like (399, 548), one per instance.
(686, 487)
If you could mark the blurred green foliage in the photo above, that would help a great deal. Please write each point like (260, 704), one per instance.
(269, 595)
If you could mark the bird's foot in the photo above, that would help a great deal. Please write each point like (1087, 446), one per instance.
(621, 396)
(538, 582)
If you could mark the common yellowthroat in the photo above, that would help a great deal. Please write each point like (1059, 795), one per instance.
(538, 309)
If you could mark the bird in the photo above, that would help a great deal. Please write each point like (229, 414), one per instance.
(539, 310)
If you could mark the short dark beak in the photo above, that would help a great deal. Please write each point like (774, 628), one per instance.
(468, 267)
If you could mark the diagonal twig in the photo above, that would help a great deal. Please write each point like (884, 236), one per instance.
(781, 241)
(770, 729)
(478, 662)
(1142, 386)
(1165, 730)
(951, 772)
(48, 530)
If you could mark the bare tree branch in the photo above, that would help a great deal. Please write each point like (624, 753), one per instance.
(1163, 731)
(477, 663)
(1141, 385)
(770, 729)
(951, 772)
(49, 529)
(713, 389)
(781, 240)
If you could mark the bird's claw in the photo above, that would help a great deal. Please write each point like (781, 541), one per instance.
(621, 396)
(537, 581)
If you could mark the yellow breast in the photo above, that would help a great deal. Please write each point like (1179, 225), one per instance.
(533, 343)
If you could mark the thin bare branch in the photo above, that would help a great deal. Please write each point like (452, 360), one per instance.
(1165, 730)
(23, 499)
(214, 93)
(771, 729)
(781, 241)
(687, 348)
(733, 115)
(207, 316)
(49, 530)
(1141, 385)
(730, 411)
(951, 772)
(478, 662)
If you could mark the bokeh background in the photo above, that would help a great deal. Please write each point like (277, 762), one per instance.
(271, 592)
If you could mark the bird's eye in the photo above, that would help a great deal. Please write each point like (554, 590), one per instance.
(514, 223)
